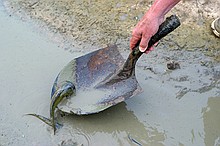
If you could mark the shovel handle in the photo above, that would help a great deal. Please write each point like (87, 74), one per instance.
(165, 28)
(128, 69)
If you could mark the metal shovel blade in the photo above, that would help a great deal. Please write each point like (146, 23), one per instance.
(103, 78)
(86, 72)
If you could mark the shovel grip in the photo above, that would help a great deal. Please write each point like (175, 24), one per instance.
(165, 28)
(128, 69)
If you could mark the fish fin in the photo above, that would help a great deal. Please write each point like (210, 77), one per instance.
(47, 121)
(58, 125)
(42, 118)
(62, 113)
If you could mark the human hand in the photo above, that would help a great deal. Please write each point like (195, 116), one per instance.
(144, 30)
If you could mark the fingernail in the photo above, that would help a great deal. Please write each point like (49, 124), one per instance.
(142, 49)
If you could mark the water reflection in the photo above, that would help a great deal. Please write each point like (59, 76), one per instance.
(155, 117)
(113, 126)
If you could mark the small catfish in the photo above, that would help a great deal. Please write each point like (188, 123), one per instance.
(67, 89)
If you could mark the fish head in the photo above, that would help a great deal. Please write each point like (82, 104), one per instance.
(68, 89)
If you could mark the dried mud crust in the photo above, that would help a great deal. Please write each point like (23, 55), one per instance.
(107, 22)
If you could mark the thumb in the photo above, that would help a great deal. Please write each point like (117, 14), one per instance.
(134, 40)
(144, 44)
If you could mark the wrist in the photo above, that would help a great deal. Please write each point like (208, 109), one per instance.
(153, 14)
(161, 7)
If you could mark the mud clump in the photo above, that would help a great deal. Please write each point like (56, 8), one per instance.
(172, 65)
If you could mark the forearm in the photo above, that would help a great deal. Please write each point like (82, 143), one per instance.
(161, 7)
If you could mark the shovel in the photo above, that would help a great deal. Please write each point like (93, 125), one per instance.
(103, 78)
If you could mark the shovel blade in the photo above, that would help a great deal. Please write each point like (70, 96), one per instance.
(85, 73)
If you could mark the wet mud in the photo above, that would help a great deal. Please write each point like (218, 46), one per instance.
(100, 23)
(177, 107)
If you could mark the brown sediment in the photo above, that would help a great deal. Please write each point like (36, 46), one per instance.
(106, 22)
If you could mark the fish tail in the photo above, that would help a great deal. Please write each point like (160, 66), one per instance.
(42, 118)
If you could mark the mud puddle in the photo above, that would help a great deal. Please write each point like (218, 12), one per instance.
(29, 65)
(177, 107)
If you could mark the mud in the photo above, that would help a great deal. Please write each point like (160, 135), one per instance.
(177, 107)
(99, 23)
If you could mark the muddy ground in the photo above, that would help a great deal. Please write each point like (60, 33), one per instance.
(99, 23)
(178, 107)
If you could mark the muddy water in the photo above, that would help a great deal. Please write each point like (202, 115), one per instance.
(179, 107)
(29, 64)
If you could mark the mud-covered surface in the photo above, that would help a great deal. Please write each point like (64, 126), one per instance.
(106, 22)
(179, 106)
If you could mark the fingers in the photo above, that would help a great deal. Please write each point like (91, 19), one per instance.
(134, 41)
(149, 50)
(141, 38)
(144, 42)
